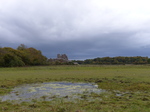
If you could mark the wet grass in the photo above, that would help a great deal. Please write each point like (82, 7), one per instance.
(128, 88)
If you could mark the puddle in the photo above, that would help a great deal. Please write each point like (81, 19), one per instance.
(49, 91)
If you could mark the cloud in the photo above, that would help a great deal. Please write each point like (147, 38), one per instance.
(81, 29)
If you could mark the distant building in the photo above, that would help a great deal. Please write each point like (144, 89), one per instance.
(62, 58)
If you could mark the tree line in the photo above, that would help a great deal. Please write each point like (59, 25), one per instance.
(116, 60)
(22, 56)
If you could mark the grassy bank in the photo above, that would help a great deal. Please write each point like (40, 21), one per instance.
(131, 81)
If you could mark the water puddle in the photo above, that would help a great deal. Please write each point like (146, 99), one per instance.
(49, 91)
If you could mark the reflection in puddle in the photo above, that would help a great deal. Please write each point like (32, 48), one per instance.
(49, 91)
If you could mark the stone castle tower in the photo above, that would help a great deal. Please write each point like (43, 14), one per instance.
(62, 56)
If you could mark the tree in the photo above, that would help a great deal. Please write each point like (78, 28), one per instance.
(21, 56)
(36, 57)
(11, 60)
(22, 47)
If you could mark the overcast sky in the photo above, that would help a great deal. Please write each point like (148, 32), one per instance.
(82, 29)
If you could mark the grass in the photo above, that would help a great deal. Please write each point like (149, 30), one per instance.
(131, 82)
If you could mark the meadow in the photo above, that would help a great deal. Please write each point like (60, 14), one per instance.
(127, 86)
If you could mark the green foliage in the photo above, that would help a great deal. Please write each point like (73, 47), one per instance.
(36, 57)
(23, 56)
(22, 47)
(1, 57)
(118, 60)
(11, 60)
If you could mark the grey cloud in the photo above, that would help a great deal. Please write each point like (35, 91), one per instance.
(81, 29)
(100, 46)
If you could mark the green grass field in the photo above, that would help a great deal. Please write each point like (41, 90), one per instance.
(133, 81)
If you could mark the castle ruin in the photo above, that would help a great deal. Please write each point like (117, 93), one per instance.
(62, 58)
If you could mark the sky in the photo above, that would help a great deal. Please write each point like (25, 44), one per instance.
(82, 29)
